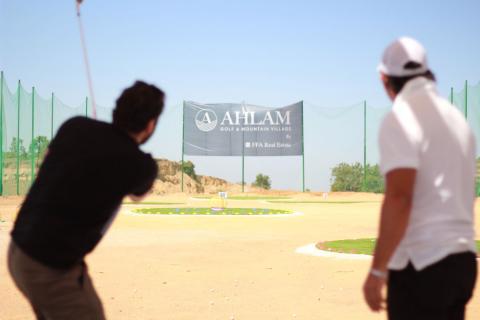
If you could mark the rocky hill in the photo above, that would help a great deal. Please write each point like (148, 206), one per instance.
(170, 178)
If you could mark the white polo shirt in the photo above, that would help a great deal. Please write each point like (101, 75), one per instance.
(425, 132)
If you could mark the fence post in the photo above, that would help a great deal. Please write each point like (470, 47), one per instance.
(243, 161)
(303, 152)
(243, 150)
(364, 144)
(1, 133)
(18, 139)
(183, 138)
(32, 143)
(51, 115)
(451, 95)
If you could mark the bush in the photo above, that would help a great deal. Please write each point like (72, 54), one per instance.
(262, 181)
(374, 181)
(189, 170)
(350, 177)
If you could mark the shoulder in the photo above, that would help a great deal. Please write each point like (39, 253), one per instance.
(76, 122)
(403, 118)
(390, 122)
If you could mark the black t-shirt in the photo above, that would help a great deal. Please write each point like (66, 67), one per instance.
(89, 168)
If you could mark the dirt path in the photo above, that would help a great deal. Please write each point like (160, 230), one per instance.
(224, 267)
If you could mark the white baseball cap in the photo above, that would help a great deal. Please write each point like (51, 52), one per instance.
(404, 57)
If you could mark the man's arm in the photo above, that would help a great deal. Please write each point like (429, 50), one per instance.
(145, 178)
(393, 223)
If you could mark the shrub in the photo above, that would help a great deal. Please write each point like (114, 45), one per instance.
(262, 181)
(350, 177)
(189, 169)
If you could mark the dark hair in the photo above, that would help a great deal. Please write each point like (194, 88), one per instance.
(397, 83)
(137, 105)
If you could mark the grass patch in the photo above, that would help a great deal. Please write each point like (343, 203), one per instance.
(210, 211)
(358, 246)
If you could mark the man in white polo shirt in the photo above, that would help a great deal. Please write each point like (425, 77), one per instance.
(425, 251)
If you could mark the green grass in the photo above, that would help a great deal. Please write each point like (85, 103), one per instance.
(326, 202)
(359, 246)
(209, 211)
(154, 203)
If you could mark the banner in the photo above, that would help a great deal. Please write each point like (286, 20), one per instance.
(230, 129)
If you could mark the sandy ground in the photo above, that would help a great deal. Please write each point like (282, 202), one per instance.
(224, 267)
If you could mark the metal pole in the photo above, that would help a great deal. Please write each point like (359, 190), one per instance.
(364, 144)
(303, 153)
(86, 107)
(51, 115)
(451, 95)
(243, 162)
(183, 138)
(32, 143)
(466, 99)
(243, 151)
(1, 134)
(18, 138)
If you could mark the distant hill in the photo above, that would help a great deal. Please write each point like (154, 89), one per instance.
(170, 178)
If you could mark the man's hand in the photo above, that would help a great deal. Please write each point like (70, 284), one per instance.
(372, 292)
(136, 198)
(396, 208)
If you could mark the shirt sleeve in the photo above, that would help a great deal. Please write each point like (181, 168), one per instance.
(398, 145)
(146, 174)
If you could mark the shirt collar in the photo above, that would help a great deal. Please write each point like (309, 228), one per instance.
(414, 86)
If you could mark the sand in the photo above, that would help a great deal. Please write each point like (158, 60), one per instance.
(224, 267)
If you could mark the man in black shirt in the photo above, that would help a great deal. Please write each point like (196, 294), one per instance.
(89, 168)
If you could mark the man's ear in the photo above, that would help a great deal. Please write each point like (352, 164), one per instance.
(151, 126)
(387, 87)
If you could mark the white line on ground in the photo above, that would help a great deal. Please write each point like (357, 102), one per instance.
(293, 214)
(312, 250)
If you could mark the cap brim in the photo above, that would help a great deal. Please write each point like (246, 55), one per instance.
(400, 73)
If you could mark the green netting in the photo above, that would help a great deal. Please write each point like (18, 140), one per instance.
(467, 101)
(29, 120)
(347, 135)
(9, 136)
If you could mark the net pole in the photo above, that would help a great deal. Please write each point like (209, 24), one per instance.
(51, 116)
(364, 143)
(1, 134)
(18, 140)
(183, 139)
(466, 99)
(303, 153)
(451, 95)
(32, 143)
(86, 107)
(243, 161)
(243, 152)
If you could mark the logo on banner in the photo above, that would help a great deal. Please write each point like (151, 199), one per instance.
(206, 120)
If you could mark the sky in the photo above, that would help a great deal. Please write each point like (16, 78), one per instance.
(270, 53)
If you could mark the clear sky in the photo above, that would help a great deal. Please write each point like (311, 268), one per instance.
(270, 53)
